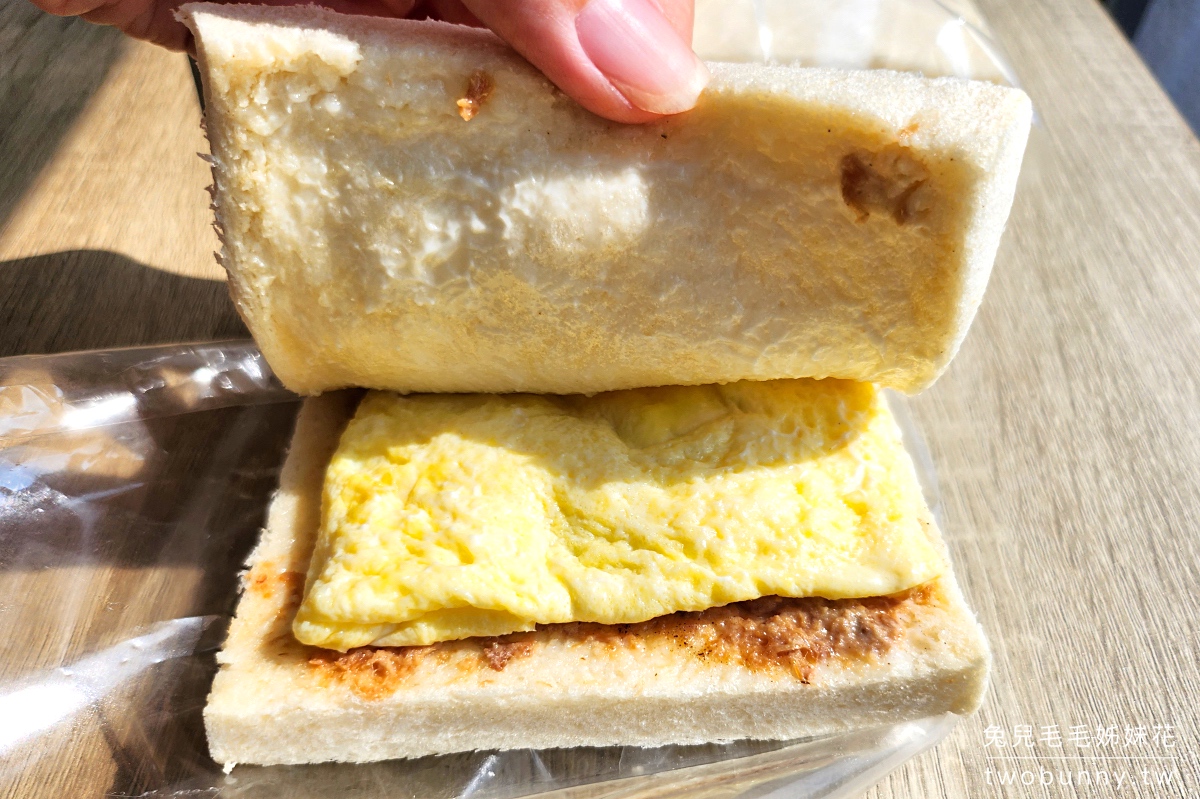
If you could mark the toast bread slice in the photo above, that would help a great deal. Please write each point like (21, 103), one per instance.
(796, 223)
(768, 669)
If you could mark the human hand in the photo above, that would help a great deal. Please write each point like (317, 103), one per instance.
(628, 60)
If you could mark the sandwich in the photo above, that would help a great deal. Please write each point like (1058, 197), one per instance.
(624, 472)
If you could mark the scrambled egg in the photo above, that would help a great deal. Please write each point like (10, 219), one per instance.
(449, 516)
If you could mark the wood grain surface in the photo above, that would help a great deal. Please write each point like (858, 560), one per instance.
(106, 239)
(1066, 434)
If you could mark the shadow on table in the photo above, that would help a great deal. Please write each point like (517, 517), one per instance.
(93, 299)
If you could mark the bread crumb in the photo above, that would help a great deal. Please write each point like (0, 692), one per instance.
(479, 89)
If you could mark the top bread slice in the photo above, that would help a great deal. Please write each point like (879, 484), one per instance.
(796, 223)
(768, 669)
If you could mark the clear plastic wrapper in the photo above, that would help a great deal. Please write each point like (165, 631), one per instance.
(934, 37)
(133, 484)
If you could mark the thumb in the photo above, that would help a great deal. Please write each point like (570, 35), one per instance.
(621, 59)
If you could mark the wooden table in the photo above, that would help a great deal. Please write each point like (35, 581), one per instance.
(1066, 435)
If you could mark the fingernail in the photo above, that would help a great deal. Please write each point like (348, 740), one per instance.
(636, 48)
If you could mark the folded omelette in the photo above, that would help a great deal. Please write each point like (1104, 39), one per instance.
(450, 516)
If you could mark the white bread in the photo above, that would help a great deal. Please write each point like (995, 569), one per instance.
(276, 701)
(797, 223)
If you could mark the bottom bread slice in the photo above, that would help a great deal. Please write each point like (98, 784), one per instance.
(772, 668)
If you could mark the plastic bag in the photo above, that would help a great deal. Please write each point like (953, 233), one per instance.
(933, 37)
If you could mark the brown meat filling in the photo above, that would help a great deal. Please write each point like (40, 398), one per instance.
(888, 182)
(771, 633)
(479, 89)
